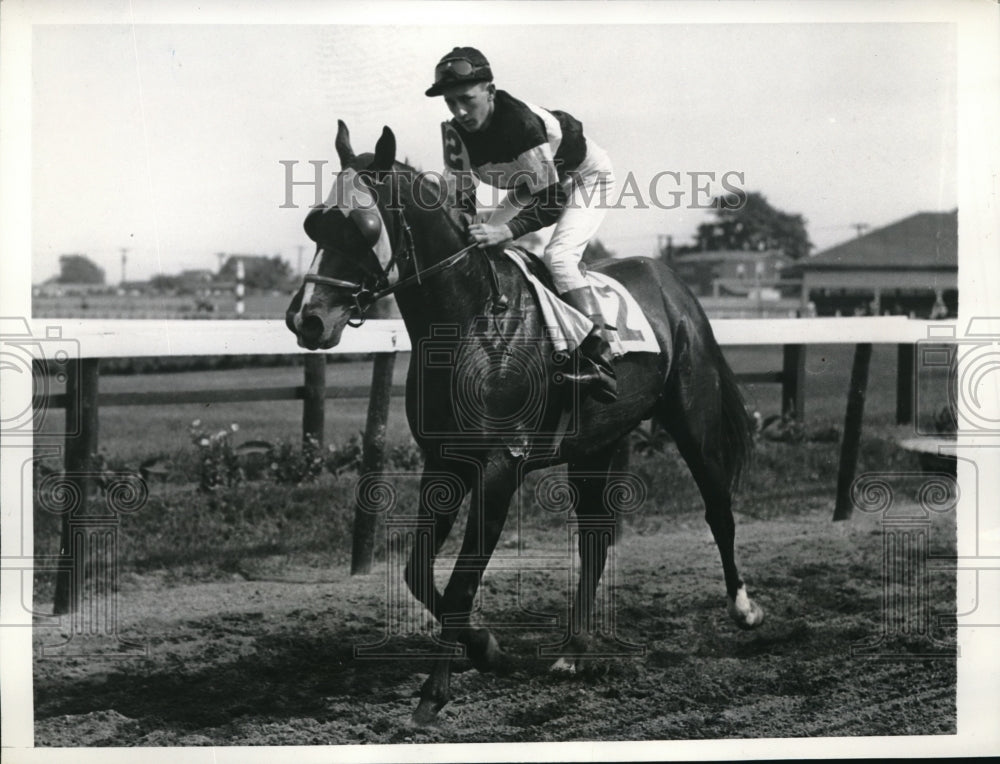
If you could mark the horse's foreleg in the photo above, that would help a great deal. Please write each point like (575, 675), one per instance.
(432, 527)
(487, 513)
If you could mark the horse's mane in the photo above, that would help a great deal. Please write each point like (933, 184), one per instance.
(422, 179)
(418, 186)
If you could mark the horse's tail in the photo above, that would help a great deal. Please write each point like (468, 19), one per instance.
(737, 424)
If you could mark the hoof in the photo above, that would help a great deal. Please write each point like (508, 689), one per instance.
(426, 712)
(564, 666)
(484, 651)
(754, 619)
(746, 613)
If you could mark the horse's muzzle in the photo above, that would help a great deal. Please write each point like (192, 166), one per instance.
(318, 330)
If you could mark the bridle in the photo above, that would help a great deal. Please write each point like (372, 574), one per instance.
(369, 291)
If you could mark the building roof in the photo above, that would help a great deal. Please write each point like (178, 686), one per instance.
(730, 255)
(926, 241)
(249, 258)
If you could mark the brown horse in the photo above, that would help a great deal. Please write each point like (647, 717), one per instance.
(487, 399)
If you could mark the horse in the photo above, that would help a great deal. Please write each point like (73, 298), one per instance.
(485, 394)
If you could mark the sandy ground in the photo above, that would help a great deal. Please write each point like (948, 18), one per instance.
(272, 656)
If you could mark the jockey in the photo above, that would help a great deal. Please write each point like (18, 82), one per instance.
(552, 175)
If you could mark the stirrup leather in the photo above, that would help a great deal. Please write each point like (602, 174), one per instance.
(595, 371)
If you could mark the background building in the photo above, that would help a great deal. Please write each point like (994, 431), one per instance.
(908, 267)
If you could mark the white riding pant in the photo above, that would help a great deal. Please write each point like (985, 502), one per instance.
(589, 192)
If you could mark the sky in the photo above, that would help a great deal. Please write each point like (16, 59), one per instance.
(168, 140)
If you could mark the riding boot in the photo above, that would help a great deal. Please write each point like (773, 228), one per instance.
(595, 369)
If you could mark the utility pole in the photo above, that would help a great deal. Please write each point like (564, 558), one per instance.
(240, 275)
(860, 228)
(124, 259)
(299, 272)
(665, 248)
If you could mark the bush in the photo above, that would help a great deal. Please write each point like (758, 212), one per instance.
(289, 464)
(218, 464)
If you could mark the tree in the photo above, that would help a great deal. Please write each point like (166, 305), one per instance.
(596, 251)
(79, 269)
(755, 225)
(260, 271)
(163, 282)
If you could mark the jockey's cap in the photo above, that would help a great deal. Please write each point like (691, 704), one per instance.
(461, 65)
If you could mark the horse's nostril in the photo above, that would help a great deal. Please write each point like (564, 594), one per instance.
(311, 328)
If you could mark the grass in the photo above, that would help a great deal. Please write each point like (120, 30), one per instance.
(136, 433)
(193, 534)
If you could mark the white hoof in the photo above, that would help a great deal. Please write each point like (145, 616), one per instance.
(744, 611)
(566, 666)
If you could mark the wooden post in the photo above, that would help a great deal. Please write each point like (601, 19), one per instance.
(372, 459)
(313, 411)
(793, 381)
(81, 445)
(852, 430)
(905, 379)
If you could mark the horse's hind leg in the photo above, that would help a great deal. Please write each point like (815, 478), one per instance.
(693, 416)
(596, 530)
(487, 514)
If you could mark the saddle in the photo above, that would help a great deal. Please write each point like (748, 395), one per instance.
(534, 265)
(630, 331)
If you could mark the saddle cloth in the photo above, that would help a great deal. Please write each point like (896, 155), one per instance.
(628, 326)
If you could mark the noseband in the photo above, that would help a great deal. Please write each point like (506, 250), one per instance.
(369, 291)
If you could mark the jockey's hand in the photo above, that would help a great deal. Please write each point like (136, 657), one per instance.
(486, 235)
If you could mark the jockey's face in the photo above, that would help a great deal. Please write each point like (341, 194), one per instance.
(471, 104)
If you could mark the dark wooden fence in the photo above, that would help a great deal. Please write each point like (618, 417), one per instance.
(97, 339)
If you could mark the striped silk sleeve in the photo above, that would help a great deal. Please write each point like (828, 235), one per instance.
(543, 210)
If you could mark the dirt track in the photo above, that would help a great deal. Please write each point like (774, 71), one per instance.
(271, 661)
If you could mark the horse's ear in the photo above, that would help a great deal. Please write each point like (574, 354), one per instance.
(385, 152)
(343, 144)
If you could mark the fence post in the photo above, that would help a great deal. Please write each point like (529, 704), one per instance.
(793, 381)
(905, 375)
(313, 410)
(81, 410)
(852, 430)
(372, 459)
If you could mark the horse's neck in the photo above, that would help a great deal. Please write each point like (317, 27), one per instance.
(453, 296)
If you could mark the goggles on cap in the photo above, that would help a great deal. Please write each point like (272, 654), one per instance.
(456, 66)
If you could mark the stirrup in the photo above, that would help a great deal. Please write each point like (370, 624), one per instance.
(594, 372)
